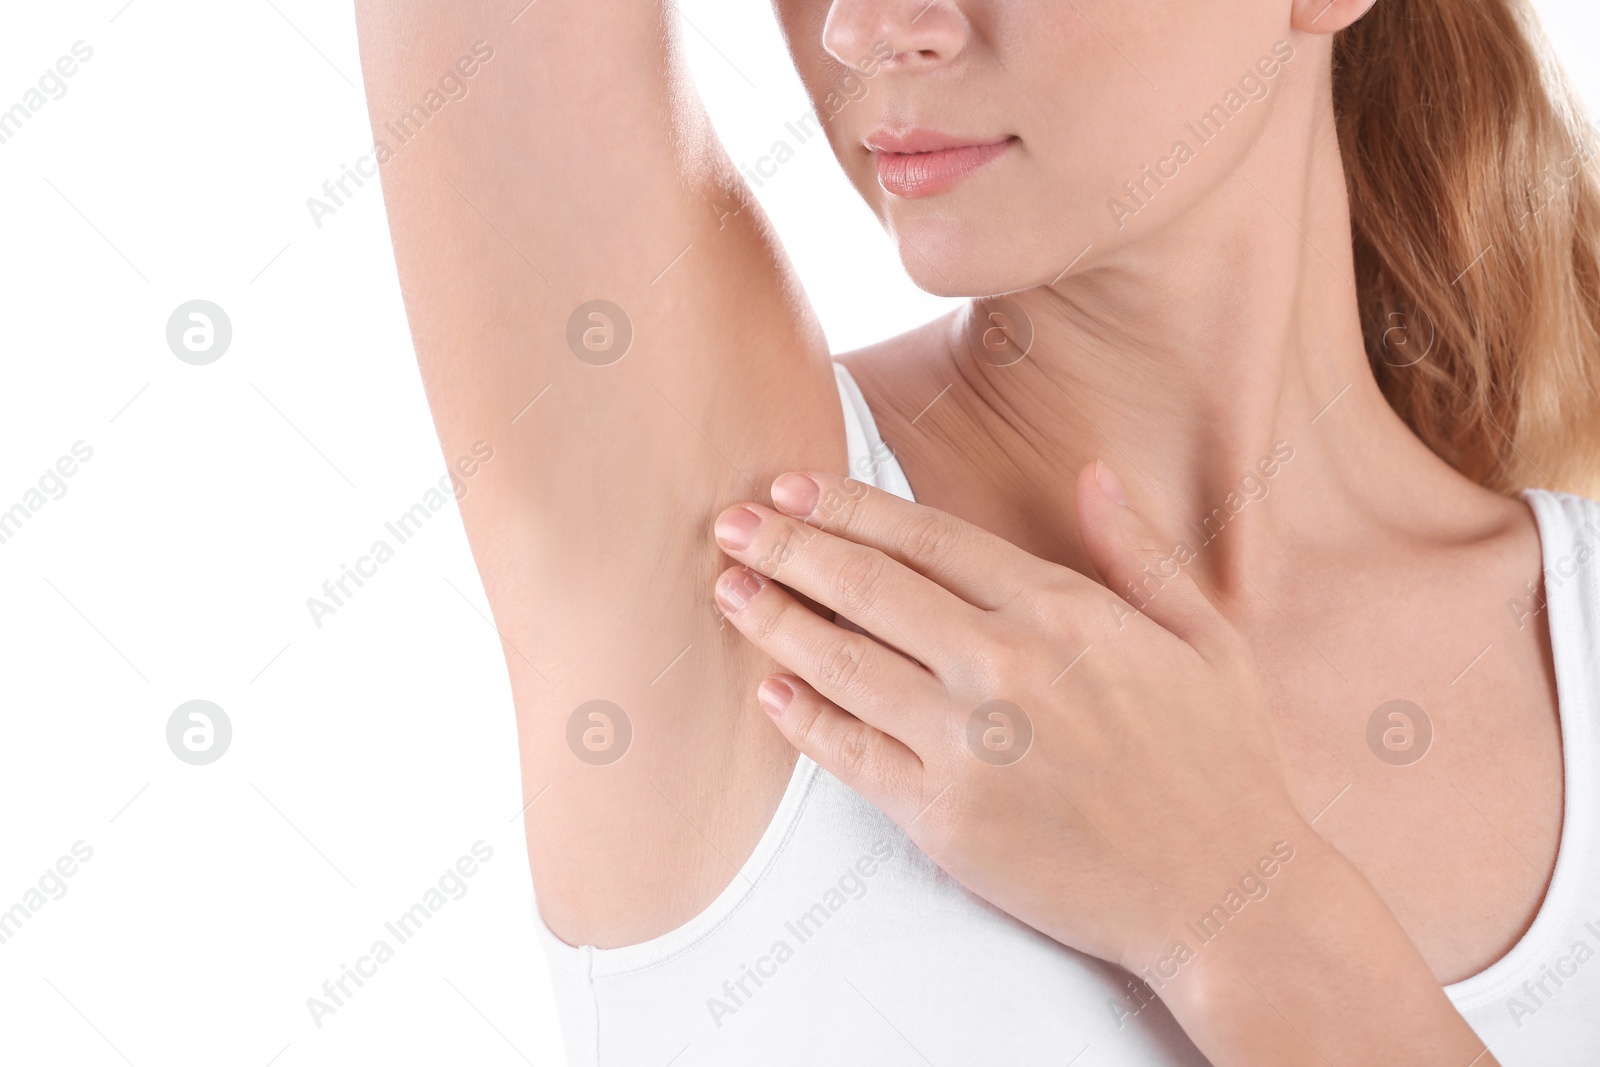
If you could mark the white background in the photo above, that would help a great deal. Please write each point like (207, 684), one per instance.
(372, 752)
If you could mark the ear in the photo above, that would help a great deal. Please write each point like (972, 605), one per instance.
(1327, 16)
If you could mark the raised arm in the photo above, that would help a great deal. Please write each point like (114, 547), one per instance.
(574, 165)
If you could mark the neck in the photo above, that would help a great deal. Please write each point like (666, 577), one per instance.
(1218, 366)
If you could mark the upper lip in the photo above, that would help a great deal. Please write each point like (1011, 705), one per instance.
(918, 141)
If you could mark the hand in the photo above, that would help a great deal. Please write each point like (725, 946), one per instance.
(1103, 767)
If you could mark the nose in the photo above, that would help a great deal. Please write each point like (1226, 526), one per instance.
(908, 34)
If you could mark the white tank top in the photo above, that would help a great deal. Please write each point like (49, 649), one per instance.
(842, 944)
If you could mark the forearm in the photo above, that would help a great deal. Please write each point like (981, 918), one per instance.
(1316, 972)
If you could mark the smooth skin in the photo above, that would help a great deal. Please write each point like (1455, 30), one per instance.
(1182, 347)
(1148, 777)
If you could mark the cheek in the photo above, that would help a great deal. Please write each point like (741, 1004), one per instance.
(1109, 98)
(802, 23)
(1120, 93)
(1128, 120)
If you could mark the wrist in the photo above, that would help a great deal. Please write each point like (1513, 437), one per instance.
(1239, 907)
(1293, 888)
(1291, 976)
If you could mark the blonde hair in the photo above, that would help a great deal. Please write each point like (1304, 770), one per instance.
(1475, 212)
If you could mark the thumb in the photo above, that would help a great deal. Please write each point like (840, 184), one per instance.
(1138, 565)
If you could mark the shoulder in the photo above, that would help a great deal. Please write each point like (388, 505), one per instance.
(1569, 535)
(1569, 529)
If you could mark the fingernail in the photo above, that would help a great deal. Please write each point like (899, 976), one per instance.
(736, 587)
(736, 528)
(774, 695)
(1109, 484)
(796, 494)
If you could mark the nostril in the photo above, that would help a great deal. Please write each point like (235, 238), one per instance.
(864, 34)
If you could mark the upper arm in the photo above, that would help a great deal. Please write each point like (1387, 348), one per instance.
(578, 165)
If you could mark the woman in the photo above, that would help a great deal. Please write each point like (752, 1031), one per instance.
(1228, 702)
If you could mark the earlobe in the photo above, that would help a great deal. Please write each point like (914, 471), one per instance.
(1327, 16)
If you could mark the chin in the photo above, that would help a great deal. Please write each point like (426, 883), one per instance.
(946, 264)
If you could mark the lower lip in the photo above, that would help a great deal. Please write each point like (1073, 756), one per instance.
(931, 173)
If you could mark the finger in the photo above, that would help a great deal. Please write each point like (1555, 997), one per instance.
(879, 767)
(1138, 566)
(882, 596)
(877, 685)
(980, 568)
